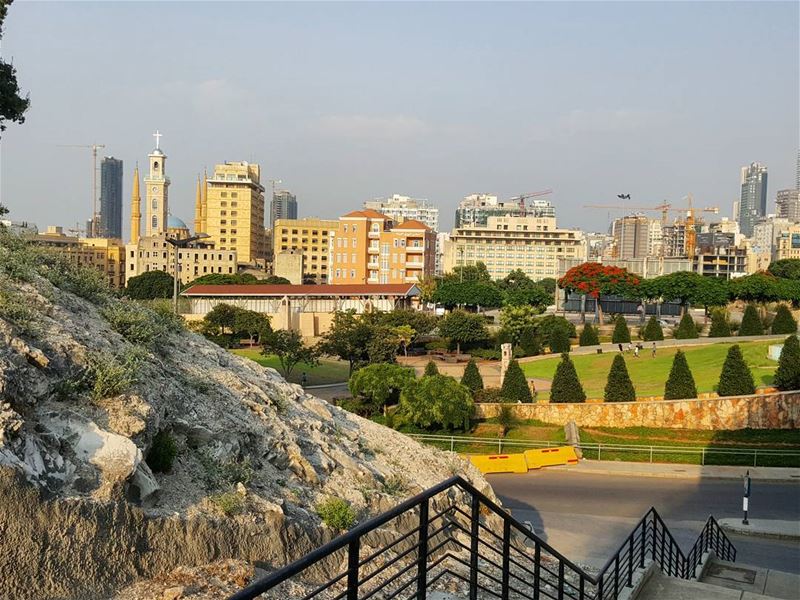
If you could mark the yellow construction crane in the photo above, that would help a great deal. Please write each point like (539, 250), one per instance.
(94, 148)
(690, 218)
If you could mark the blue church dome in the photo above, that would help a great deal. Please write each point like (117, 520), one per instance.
(175, 223)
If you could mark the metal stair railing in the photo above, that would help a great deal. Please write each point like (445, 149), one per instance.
(454, 533)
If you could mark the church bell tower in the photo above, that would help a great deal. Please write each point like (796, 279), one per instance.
(156, 191)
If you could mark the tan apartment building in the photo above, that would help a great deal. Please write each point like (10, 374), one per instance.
(156, 254)
(107, 255)
(370, 248)
(231, 211)
(789, 243)
(312, 237)
(506, 243)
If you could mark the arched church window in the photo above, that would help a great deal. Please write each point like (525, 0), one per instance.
(155, 221)
(155, 203)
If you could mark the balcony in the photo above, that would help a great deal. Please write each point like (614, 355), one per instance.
(415, 248)
(373, 265)
(415, 265)
(374, 249)
(374, 235)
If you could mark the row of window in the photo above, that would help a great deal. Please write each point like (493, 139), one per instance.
(181, 254)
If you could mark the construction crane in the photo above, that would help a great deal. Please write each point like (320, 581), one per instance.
(94, 148)
(522, 197)
(690, 216)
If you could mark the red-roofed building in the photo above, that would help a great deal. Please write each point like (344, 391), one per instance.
(370, 248)
(308, 309)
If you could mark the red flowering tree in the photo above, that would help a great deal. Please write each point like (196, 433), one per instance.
(595, 280)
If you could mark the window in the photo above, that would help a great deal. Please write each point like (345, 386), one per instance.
(353, 257)
(354, 242)
(345, 228)
(234, 194)
(154, 204)
(352, 274)
(155, 222)
(354, 229)
(223, 194)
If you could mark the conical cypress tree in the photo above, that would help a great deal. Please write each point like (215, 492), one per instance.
(687, 330)
(787, 377)
(680, 383)
(589, 336)
(784, 321)
(619, 387)
(653, 331)
(719, 324)
(566, 386)
(431, 369)
(530, 343)
(559, 340)
(736, 378)
(621, 335)
(515, 385)
(751, 323)
(472, 377)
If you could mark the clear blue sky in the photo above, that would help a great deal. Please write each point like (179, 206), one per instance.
(348, 101)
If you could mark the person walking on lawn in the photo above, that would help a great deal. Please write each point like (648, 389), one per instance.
(654, 349)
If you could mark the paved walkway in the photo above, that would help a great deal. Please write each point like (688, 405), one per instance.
(670, 343)
(678, 471)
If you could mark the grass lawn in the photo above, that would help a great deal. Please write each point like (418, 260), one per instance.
(328, 371)
(650, 374)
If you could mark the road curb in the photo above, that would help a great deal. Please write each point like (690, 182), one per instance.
(667, 475)
(740, 529)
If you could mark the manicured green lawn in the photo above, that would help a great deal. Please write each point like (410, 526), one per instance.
(650, 374)
(328, 371)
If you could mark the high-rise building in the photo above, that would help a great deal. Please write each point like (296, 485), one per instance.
(156, 192)
(312, 238)
(111, 198)
(235, 211)
(283, 206)
(631, 236)
(477, 208)
(787, 203)
(370, 248)
(533, 244)
(753, 200)
(403, 208)
(766, 234)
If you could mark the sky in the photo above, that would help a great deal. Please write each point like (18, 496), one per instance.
(345, 102)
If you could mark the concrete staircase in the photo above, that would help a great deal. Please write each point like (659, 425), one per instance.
(722, 580)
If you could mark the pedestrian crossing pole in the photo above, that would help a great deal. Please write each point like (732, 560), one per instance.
(746, 498)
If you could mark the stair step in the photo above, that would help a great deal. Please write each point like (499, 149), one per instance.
(755, 580)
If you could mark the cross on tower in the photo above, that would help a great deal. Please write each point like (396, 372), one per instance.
(158, 135)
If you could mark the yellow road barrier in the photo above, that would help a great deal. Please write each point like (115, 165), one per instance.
(550, 457)
(521, 463)
(499, 463)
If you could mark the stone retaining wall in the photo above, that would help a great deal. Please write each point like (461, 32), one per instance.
(779, 410)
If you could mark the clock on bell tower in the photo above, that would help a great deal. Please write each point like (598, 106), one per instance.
(156, 191)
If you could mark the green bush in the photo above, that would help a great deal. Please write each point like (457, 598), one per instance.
(437, 345)
(566, 386)
(377, 385)
(486, 353)
(134, 322)
(223, 474)
(530, 342)
(437, 400)
(109, 375)
(162, 453)
(545, 325)
(489, 396)
(619, 387)
(472, 377)
(336, 513)
(787, 377)
(17, 311)
(621, 335)
(680, 383)
(559, 340)
(150, 285)
(589, 336)
(652, 331)
(720, 326)
(430, 369)
(515, 385)
(736, 378)
(784, 322)
(751, 323)
(230, 503)
(687, 329)
(507, 418)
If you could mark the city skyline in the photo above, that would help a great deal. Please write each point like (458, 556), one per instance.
(548, 114)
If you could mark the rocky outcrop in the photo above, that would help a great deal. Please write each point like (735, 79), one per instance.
(81, 512)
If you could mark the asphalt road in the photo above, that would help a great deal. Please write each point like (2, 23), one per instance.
(587, 517)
